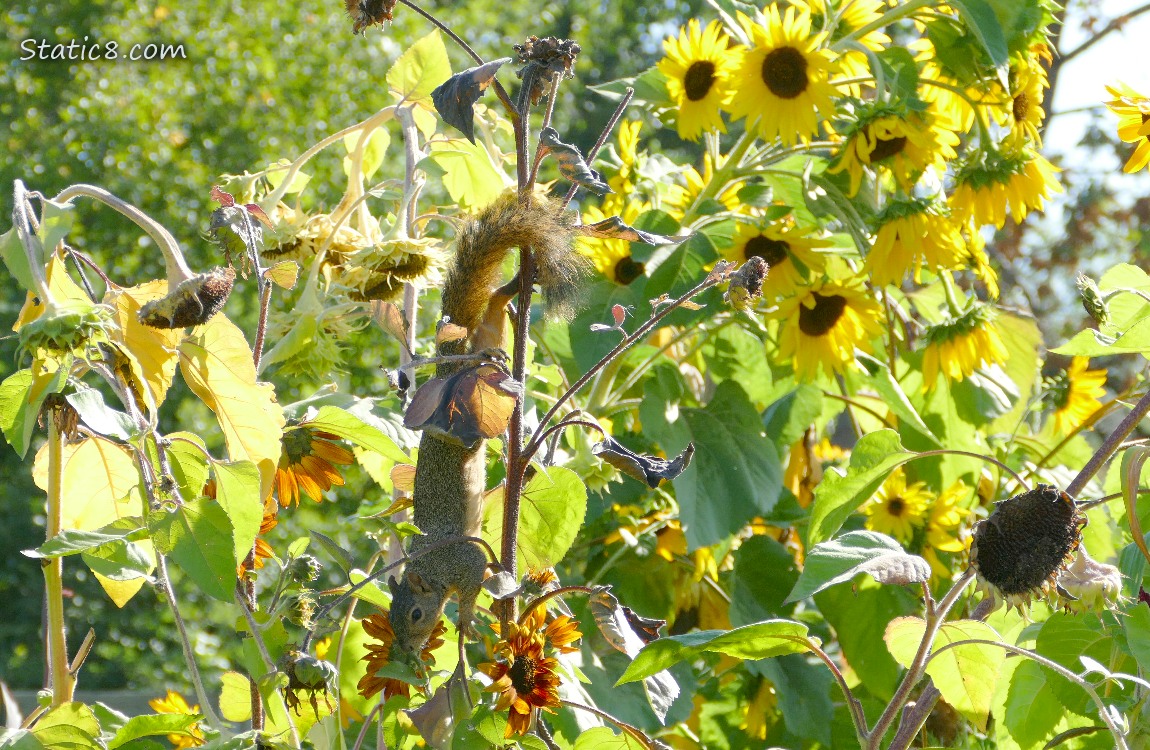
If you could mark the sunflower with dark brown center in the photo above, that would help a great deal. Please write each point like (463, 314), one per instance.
(896, 139)
(788, 249)
(524, 676)
(1026, 542)
(698, 66)
(782, 79)
(823, 325)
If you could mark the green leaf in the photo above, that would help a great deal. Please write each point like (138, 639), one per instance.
(840, 560)
(199, 538)
(735, 475)
(20, 399)
(470, 176)
(1064, 639)
(859, 615)
(1092, 343)
(764, 572)
(100, 417)
(965, 675)
(12, 252)
(894, 398)
(838, 495)
(75, 541)
(803, 690)
(550, 515)
(683, 268)
(189, 463)
(338, 554)
(154, 725)
(422, 67)
(69, 726)
(1137, 623)
(121, 561)
(735, 353)
(787, 419)
(979, 18)
(19, 739)
(1031, 712)
(370, 593)
(238, 493)
(350, 427)
(759, 641)
(603, 738)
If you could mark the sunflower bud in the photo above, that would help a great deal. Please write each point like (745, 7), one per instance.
(301, 609)
(1088, 585)
(307, 674)
(1092, 300)
(304, 569)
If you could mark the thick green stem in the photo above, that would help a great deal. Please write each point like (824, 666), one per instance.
(63, 683)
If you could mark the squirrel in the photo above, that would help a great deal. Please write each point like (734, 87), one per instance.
(450, 478)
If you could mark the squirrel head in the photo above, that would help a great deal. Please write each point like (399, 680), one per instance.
(416, 606)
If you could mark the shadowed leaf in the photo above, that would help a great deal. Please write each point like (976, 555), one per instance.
(455, 98)
(571, 163)
(614, 228)
(648, 469)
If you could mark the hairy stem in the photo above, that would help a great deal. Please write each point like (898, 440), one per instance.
(164, 583)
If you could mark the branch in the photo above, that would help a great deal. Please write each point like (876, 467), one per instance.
(1115, 24)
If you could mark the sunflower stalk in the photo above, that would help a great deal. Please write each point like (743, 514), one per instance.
(63, 683)
(1109, 446)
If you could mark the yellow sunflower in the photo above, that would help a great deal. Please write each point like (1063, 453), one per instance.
(307, 464)
(788, 251)
(896, 509)
(1133, 110)
(612, 257)
(781, 83)
(991, 183)
(1024, 113)
(1075, 395)
(623, 181)
(897, 139)
(978, 261)
(378, 626)
(913, 234)
(823, 324)
(761, 710)
(959, 346)
(174, 703)
(944, 527)
(698, 66)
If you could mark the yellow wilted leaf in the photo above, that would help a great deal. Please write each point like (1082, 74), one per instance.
(235, 697)
(154, 349)
(99, 477)
(217, 365)
(61, 286)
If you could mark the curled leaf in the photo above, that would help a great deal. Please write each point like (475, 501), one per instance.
(388, 317)
(571, 163)
(629, 633)
(283, 274)
(403, 477)
(474, 404)
(455, 98)
(649, 469)
(449, 332)
(614, 228)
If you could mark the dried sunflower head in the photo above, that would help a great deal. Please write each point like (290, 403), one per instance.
(1020, 550)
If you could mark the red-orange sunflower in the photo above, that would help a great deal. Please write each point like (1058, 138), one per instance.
(378, 626)
(524, 676)
(307, 464)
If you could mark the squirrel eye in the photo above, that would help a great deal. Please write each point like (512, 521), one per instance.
(416, 614)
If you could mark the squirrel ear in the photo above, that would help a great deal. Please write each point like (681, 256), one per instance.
(418, 585)
(393, 585)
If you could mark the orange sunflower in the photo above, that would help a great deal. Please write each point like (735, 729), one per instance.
(263, 550)
(524, 677)
(378, 626)
(307, 464)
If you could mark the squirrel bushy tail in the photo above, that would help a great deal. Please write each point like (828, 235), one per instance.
(484, 242)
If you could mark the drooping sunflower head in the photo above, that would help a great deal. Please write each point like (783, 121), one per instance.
(823, 324)
(782, 80)
(1133, 110)
(894, 138)
(308, 463)
(788, 250)
(958, 346)
(1024, 111)
(913, 234)
(990, 184)
(898, 509)
(1074, 394)
(698, 66)
(379, 653)
(1019, 551)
